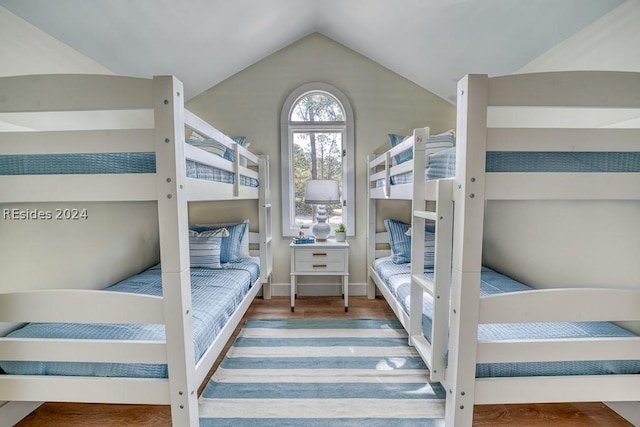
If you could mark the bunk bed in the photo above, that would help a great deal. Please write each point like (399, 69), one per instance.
(151, 338)
(509, 343)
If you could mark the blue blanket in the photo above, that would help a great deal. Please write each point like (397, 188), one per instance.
(397, 278)
(215, 294)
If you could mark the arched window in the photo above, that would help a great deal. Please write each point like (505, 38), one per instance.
(317, 143)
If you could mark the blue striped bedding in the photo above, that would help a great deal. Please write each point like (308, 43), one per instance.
(215, 294)
(443, 163)
(398, 280)
(106, 163)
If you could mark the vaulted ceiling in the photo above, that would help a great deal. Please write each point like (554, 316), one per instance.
(430, 42)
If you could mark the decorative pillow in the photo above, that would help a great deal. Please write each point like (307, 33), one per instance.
(405, 155)
(209, 145)
(205, 247)
(229, 155)
(239, 139)
(429, 244)
(398, 240)
(429, 249)
(236, 245)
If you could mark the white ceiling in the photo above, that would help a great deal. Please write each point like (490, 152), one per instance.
(430, 42)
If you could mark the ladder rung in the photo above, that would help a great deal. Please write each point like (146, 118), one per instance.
(423, 282)
(423, 347)
(426, 215)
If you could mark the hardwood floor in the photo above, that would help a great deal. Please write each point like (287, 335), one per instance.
(532, 415)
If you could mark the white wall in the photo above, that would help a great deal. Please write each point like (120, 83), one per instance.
(249, 104)
(116, 240)
(574, 243)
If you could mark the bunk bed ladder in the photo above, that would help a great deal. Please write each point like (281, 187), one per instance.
(435, 352)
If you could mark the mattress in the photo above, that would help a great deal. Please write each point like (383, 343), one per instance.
(215, 294)
(398, 280)
(107, 163)
(443, 163)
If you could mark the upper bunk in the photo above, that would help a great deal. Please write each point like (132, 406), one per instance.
(550, 136)
(113, 138)
(542, 136)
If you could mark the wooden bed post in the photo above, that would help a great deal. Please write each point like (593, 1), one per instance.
(168, 102)
(371, 232)
(469, 203)
(264, 202)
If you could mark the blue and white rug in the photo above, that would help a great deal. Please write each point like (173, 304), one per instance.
(342, 372)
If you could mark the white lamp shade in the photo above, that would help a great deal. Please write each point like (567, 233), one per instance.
(322, 192)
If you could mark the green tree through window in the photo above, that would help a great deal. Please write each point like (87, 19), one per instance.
(316, 135)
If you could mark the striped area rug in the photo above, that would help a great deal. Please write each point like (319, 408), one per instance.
(342, 372)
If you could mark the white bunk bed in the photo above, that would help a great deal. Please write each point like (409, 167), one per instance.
(169, 185)
(473, 187)
(471, 310)
(381, 170)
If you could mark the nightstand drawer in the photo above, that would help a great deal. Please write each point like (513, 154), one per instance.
(319, 254)
(319, 260)
(320, 265)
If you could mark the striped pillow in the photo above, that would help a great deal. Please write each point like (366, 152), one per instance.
(429, 249)
(429, 245)
(398, 240)
(235, 245)
(205, 248)
(405, 155)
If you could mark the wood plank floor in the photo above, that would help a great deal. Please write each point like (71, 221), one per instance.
(557, 415)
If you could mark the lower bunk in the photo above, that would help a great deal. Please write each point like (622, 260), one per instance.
(112, 347)
(532, 346)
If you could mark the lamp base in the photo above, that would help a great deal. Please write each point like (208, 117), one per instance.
(321, 230)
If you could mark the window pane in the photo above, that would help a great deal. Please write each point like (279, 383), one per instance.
(317, 107)
(316, 155)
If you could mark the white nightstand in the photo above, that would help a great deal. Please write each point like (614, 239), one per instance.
(328, 258)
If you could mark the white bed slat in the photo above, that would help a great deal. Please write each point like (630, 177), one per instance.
(424, 349)
(402, 315)
(594, 388)
(83, 350)
(562, 186)
(148, 391)
(200, 126)
(564, 349)
(548, 140)
(209, 357)
(80, 306)
(561, 305)
(78, 188)
(66, 142)
(74, 92)
(569, 89)
(202, 190)
(424, 283)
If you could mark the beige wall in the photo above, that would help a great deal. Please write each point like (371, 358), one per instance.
(249, 103)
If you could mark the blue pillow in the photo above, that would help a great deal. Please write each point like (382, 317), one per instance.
(405, 155)
(398, 240)
(205, 247)
(231, 244)
(429, 249)
(229, 154)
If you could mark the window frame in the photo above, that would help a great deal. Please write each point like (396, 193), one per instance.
(288, 128)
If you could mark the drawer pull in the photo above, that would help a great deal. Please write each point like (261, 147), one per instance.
(319, 254)
(319, 265)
